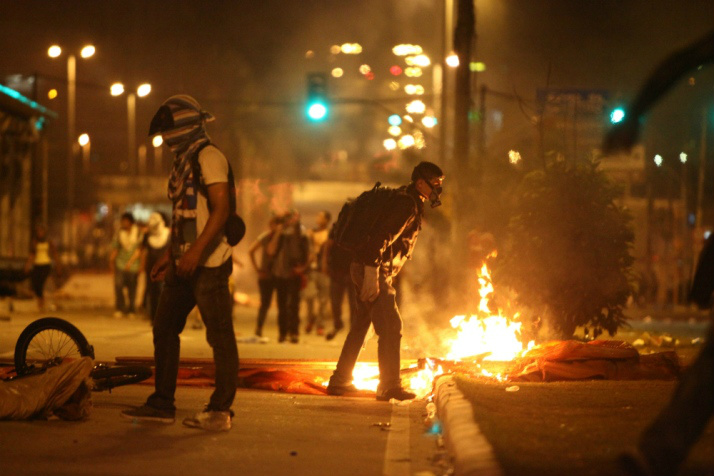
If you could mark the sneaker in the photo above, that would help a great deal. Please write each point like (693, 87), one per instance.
(281, 338)
(147, 413)
(339, 390)
(308, 328)
(397, 393)
(210, 420)
(294, 339)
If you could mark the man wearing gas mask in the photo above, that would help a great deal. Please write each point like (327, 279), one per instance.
(389, 233)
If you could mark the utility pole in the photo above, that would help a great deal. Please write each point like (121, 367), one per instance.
(463, 41)
(702, 158)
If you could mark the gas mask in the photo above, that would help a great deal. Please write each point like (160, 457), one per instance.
(435, 195)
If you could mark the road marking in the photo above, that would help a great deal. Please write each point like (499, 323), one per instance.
(397, 459)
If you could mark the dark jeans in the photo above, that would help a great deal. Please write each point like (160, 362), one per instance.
(125, 279)
(667, 441)
(266, 287)
(153, 292)
(384, 314)
(288, 305)
(208, 289)
(39, 276)
(339, 285)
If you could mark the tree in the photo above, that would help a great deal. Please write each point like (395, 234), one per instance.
(568, 248)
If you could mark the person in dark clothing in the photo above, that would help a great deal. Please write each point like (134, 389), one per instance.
(43, 255)
(387, 246)
(289, 269)
(665, 444)
(337, 263)
(267, 242)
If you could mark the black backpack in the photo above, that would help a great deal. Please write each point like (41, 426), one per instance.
(235, 226)
(357, 219)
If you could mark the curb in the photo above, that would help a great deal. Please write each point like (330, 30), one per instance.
(472, 453)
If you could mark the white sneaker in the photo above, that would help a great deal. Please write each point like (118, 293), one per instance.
(209, 420)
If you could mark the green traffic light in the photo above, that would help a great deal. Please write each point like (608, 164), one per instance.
(317, 111)
(617, 115)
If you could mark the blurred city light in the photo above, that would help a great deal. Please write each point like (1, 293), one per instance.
(413, 72)
(87, 51)
(658, 160)
(54, 51)
(157, 141)
(395, 120)
(404, 50)
(477, 66)
(414, 89)
(683, 157)
(428, 121)
(116, 89)
(52, 93)
(419, 141)
(369, 76)
(335, 49)
(406, 141)
(408, 118)
(452, 60)
(83, 139)
(351, 48)
(143, 90)
(617, 115)
(416, 107)
(390, 144)
(309, 54)
(364, 69)
(514, 156)
(394, 131)
(394, 85)
(337, 73)
(418, 60)
(395, 70)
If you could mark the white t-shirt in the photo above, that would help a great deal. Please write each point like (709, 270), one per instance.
(214, 169)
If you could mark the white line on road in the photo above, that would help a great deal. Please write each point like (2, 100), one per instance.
(397, 458)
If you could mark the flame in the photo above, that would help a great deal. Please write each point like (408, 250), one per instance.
(422, 382)
(488, 335)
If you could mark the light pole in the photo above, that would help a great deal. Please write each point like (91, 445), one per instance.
(55, 51)
(117, 89)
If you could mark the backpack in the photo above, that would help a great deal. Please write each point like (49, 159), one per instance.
(357, 218)
(234, 228)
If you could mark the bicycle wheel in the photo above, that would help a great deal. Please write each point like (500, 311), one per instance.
(49, 340)
(106, 378)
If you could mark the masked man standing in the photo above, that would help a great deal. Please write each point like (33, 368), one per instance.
(196, 266)
(390, 220)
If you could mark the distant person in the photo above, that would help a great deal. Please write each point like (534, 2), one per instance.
(317, 290)
(196, 266)
(289, 269)
(43, 255)
(267, 243)
(381, 227)
(155, 245)
(665, 444)
(337, 264)
(124, 263)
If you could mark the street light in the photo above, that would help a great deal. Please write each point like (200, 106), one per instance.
(85, 144)
(55, 51)
(117, 89)
(157, 142)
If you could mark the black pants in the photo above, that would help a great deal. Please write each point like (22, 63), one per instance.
(266, 287)
(39, 276)
(151, 296)
(207, 288)
(667, 441)
(339, 286)
(288, 305)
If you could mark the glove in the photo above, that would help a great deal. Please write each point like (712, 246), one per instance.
(370, 284)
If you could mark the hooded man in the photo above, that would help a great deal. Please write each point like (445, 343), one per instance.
(195, 267)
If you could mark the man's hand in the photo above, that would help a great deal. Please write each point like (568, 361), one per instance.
(189, 261)
(370, 284)
(158, 272)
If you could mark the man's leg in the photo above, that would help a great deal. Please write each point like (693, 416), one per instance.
(293, 305)
(281, 287)
(388, 326)
(667, 441)
(337, 294)
(355, 338)
(213, 297)
(323, 299)
(131, 279)
(119, 291)
(266, 294)
(175, 302)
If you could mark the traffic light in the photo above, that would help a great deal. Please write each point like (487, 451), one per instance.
(617, 115)
(317, 105)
